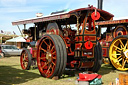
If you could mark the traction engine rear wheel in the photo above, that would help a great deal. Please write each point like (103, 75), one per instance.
(63, 53)
(25, 59)
(50, 56)
(118, 52)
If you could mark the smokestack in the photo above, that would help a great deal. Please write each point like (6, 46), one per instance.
(100, 4)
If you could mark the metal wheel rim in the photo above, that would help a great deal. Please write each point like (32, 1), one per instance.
(47, 57)
(118, 53)
(24, 60)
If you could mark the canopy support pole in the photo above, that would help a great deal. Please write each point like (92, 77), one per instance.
(24, 26)
(35, 32)
(20, 31)
(78, 25)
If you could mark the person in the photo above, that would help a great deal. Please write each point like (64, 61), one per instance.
(1, 54)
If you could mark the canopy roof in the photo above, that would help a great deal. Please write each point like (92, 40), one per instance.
(17, 39)
(112, 22)
(104, 16)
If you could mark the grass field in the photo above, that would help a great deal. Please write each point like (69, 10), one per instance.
(12, 74)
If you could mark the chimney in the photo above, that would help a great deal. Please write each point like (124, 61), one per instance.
(100, 4)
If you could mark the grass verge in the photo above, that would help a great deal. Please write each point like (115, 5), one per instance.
(12, 74)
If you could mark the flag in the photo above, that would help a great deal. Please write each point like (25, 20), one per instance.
(14, 33)
(2, 31)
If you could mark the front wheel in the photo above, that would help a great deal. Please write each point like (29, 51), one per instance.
(25, 59)
(118, 52)
(97, 58)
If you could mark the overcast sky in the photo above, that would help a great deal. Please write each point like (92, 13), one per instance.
(11, 10)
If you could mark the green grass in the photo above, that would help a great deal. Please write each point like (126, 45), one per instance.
(12, 74)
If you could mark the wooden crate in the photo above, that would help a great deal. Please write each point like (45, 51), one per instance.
(123, 79)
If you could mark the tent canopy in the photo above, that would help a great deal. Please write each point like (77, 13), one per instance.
(17, 39)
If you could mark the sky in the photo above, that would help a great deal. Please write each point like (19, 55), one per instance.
(12, 10)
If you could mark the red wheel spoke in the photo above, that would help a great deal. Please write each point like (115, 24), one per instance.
(53, 67)
(53, 52)
(50, 44)
(46, 43)
(43, 49)
(25, 59)
(48, 69)
(45, 64)
(53, 63)
(43, 58)
(24, 56)
(52, 48)
(54, 57)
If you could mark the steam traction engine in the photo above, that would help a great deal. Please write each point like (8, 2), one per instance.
(56, 46)
(114, 42)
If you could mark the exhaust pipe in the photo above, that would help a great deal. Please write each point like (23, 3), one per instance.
(100, 4)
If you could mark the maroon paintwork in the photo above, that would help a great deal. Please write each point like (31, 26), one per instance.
(106, 15)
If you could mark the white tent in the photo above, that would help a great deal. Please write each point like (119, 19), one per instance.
(17, 39)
